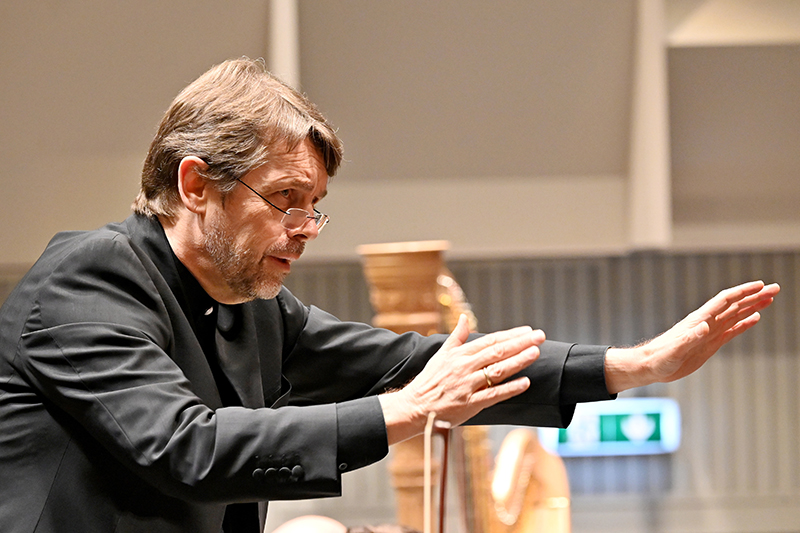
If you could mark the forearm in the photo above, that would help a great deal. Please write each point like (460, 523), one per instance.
(563, 375)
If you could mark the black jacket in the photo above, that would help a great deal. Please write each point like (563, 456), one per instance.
(116, 414)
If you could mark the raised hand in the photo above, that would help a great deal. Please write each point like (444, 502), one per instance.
(687, 345)
(461, 379)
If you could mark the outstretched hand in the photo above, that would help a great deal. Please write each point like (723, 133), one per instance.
(462, 379)
(686, 346)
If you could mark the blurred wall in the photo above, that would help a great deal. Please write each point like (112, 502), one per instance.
(501, 126)
(84, 85)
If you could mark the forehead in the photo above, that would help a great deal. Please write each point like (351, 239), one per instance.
(301, 168)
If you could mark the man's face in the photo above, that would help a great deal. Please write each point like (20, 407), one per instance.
(244, 238)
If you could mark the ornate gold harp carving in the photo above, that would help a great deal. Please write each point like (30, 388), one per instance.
(527, 488)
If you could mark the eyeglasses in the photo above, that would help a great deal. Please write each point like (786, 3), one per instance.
(294, 217)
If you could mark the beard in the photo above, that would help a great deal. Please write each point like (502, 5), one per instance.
(241, 269)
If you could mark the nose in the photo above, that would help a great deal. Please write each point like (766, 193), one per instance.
(306, 232)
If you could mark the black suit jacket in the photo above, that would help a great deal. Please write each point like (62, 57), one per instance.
(112, 417)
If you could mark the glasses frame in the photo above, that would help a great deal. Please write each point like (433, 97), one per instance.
(320, 219)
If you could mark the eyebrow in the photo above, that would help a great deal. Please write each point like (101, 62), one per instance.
(301, 183)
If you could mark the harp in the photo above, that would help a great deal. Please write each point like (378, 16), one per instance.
(525, 488)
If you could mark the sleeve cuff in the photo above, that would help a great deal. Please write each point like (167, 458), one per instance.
(584, 377)
(362, 436)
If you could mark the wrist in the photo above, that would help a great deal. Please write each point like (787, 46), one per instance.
(624, 369)
(401, 417)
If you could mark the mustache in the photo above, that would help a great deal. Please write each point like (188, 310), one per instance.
(289, 247)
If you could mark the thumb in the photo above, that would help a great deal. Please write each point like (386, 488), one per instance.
(460, 333)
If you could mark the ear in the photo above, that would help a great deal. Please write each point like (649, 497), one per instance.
(193, 188)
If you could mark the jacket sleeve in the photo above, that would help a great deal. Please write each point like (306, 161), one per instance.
(564, 374)
(356, 360)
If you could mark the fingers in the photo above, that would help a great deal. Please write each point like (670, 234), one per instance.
(739, 312)
(498, 393)
(454, 383)
(740, 327)
(491, 375)
(501, 339)
(491, 359)
(762, 298)
(502, 354)
(496, 362)
(741, 297)
(732, 296)
(495, 359)
(499, 345)
(728, 313)
(730, 306)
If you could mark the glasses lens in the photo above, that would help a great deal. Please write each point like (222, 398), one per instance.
(322, 220)
(295, 218)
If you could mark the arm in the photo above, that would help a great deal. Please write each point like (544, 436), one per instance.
(671, 356)
(101, 345)
(437, 373)
(353, 360)
(453, 385)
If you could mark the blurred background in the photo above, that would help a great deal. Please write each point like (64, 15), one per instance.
(599, 168)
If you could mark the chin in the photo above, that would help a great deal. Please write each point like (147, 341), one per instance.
(266, 289)
(270, 293)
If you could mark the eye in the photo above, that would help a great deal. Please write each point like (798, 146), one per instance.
(284, 197)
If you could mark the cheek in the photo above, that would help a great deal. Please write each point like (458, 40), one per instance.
(259, 238)
(252, 228)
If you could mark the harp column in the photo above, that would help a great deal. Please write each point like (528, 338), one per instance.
(404, 293)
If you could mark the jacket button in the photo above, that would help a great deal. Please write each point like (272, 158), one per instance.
(343, 467)
(284, 473)
(297, 473)
(258, 474)
(270, 474)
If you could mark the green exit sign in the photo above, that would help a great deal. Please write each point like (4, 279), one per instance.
(626, 426)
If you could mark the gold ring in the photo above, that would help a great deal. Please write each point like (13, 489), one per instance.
(488, 379)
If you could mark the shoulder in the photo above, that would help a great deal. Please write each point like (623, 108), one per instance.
(77, 247)
(84, 275)
(74, 256)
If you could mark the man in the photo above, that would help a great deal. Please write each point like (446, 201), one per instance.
(156, 376)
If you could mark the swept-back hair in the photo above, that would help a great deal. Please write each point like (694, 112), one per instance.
(236, 117)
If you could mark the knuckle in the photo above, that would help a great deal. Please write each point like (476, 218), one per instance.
(490, 340)
(494, 372)
(493, 352)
